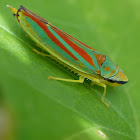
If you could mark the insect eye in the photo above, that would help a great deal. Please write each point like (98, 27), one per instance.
(14, 14)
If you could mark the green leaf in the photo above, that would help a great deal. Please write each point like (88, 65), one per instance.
(55, 110)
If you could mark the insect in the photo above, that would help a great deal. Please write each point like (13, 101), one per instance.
(70, 52)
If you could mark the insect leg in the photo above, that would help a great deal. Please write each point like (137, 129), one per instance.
(40, 53)
(81, 79)
(103, 96)
(92, 84)
(98, 82)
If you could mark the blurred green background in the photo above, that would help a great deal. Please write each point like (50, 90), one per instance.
(33, 107)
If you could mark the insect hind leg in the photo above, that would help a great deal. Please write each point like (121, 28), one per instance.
(80, 80)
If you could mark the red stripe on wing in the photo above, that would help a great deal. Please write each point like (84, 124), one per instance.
(46, 30)
(72, 37)
(79, 50)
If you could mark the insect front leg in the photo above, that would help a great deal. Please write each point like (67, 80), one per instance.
(103, 96)
(80, 80)
(97, 82)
